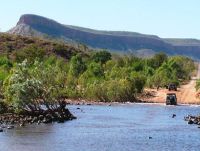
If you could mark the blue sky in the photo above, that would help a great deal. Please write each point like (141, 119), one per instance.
(166, 18)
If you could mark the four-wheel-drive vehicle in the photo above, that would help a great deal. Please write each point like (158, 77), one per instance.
(171, 99)
(172, 86)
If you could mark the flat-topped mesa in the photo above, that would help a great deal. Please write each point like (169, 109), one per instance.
(31, 19)
(115, 41)
(94, 38)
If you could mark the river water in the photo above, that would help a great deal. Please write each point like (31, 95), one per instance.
(111, 128)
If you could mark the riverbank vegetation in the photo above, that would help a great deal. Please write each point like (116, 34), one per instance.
(37, 76)
(198, 88)
(32, 80)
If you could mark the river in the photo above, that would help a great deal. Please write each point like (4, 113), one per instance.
(130, 127)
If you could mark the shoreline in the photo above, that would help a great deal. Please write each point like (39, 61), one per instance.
(85, 102)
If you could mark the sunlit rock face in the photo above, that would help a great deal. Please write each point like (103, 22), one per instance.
(120, 41)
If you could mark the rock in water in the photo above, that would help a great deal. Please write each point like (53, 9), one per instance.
(1, 129)
(21, 124)
(190, 122)
(10, 127)
(174, 115)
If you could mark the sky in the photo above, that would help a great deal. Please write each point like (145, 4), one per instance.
(165, 18)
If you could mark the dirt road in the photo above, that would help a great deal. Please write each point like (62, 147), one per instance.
(186, 94)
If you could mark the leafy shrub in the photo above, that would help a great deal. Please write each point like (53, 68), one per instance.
(101, 57)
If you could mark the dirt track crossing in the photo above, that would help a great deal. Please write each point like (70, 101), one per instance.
(186, 94)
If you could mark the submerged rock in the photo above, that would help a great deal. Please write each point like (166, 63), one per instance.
(190, 122)
(192, 119)
(10, 127)
(59, 114)
(22, 125)
(174, 115)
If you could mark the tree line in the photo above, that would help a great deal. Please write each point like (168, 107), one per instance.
(31, 79)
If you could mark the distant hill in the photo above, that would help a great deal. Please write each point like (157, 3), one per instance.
(10, 44)
(117, 41)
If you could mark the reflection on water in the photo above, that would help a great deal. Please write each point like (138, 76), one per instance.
(110, 128)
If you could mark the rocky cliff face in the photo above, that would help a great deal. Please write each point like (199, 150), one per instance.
(33, 25)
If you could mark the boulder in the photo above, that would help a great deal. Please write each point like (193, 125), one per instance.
(10, 127)
(41, 117)
(174, 115)
(34, 120)
(190, 122)
(22, 124)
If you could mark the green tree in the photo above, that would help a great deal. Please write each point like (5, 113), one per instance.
(164, 75)
(77, 66)
(20, 89)
(197, 84)
(182, 66)
(157, 60)
(30, 53)
(101, 56)
(93, 74)
(29, 87)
